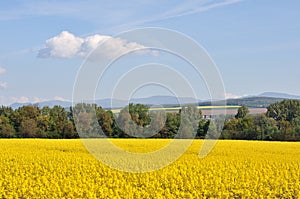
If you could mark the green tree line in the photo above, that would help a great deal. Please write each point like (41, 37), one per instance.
(280, 122)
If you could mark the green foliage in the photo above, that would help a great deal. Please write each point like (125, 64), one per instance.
(172, 124)
(6, 129)
(28, 128)
(286, 110)
(203, 128)
(243, 111)
(241, 129)
(281, 122)
(266, 127)
(139, 114)
(85, 117)
(105, 120)
(135, 121)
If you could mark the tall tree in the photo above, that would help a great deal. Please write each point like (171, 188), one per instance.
(6, 129)
(172, 124)
(6, 111)
(29, 128)
(105, 121)
(285, 110)
(139, 114)
(86, 120)
(157, 124)
(191, 114)
(203, 128)
(126, 123)
(243, 111)
(265, 127)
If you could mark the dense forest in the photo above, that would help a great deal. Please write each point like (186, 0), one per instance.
(280, 122)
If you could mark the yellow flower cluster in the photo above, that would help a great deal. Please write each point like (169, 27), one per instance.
(36, 168)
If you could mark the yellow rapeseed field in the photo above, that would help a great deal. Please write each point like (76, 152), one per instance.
(37, 168)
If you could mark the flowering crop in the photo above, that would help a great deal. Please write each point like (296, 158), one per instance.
(36, 168)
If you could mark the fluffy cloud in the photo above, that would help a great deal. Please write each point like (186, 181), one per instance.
(22, 99)
(67, 45)
(38, 100)
(231, 96)
(64, 45)
(60, 99)
(2, 70)
(5, 100)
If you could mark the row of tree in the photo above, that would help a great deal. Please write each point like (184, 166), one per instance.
(32, 122)
(281, 122)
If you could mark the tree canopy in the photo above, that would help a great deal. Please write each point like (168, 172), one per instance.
(280, 122)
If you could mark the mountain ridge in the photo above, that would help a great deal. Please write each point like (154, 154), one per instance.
(116, 103)
(279, 95)
(261, 100)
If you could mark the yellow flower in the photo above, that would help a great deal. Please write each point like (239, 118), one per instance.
(40, 168)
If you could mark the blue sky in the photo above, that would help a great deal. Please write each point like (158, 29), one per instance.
(254, 43)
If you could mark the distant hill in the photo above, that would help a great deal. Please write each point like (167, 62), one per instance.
(166, 100)
(279, 95)
(251, 102)
(17, 105)
(254, 102)
(108, 103)
(50, 103)
(154, 100)
(260, 101)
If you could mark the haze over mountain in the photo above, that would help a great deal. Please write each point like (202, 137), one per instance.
(116, 103)
(261, 100)
(279, 95)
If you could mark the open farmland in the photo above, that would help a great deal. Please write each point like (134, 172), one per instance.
(207, 110)
(37, 168)
(176, 109)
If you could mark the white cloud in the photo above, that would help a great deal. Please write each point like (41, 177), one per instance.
(64, 45)
(3, 85)
(22, 99)
(2, 70)
(67, 45)
(60, 98)
(38, 99)
(91, 43)
(5, 100)
(231, 96)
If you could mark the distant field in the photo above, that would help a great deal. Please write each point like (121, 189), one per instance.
(37, 168)
(232, 111)
(208, 110)
(170, 109)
